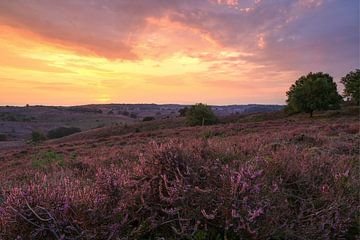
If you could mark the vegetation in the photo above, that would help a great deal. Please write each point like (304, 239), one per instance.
(352, 86)
(43, 160)
(133, 115)
(276, 179)
(37, 136)
(3, 137)
(315, 91)
(62, 132)
(147, 119)
(200, 114)
(183, 111)
(260, 176)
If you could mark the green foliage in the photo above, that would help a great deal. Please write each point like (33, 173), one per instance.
(43, 159)
(352, 86)
(62, 132)
(315, 91)
(200, 114)
(3, 137)
(37, 136)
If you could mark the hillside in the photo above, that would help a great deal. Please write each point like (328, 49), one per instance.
(255, 177)
(17, 123)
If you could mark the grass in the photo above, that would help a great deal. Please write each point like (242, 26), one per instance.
(44, 160)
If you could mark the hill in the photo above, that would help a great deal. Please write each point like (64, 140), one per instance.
(256, 176)
(17, 123)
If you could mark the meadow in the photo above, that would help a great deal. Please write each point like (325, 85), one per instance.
(262, 176)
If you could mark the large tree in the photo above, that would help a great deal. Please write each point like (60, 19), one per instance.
(200, 114)
(315, 91)
(352, 86)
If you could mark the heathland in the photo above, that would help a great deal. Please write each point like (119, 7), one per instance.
(256, 176)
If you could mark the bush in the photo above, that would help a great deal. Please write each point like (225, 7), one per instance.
(62, 132)
(200, 114)
(3, 137)
(146, 119)
(37, 136)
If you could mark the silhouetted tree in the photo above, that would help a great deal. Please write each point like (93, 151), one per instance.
(315, 91)
(352, 86)
(200, 114)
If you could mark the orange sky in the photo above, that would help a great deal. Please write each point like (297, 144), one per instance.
(166, 56)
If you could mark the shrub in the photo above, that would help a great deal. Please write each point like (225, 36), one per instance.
(62, 132)
(37, 136)
(146, 119)
(3, 137)
(200, 114)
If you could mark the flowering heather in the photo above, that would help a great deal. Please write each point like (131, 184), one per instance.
(277, 179)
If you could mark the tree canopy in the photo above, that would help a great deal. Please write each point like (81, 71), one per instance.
(352, 86)
(315, 91)
(200, 114)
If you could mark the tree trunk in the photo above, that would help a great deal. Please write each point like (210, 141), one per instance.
(311, 113)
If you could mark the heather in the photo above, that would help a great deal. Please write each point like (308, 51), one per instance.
(285, 178)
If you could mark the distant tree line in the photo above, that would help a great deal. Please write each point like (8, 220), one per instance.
(311, 92)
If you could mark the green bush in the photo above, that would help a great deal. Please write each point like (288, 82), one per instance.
(62, 132)
(37, 136)
(200, 114)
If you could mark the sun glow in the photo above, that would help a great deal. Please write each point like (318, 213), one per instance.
(38, 70)
(218, 52)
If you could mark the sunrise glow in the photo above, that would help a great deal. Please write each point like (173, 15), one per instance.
(219, 52)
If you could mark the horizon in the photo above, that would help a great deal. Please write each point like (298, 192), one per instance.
(159, 104)
(218, 52)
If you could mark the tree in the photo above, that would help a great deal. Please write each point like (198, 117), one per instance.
(352, 86)
(200, 114)
(315, 91)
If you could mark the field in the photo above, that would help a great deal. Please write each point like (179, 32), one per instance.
(261, 176)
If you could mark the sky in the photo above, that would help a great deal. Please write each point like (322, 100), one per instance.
(74, 52)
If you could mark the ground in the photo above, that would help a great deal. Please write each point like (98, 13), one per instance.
(299, 174)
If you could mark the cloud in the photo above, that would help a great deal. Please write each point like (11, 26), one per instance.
(244, 44)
